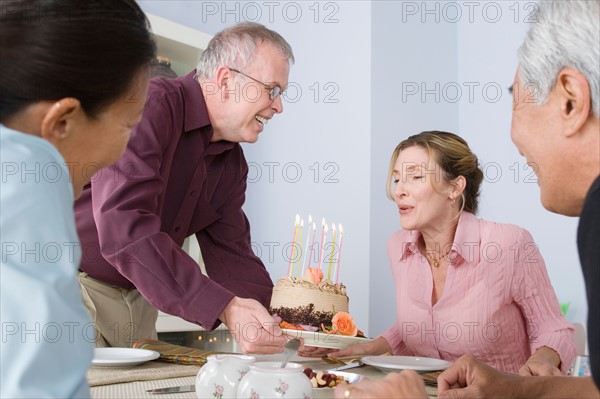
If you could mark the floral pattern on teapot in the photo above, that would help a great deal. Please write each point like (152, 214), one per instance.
(220, 376)
(218, 394)
(282, 388)
(267, 380)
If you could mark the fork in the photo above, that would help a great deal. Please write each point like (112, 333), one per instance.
(340, 361)
(331, 360)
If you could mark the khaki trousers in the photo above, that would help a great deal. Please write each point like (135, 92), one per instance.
(121, 316)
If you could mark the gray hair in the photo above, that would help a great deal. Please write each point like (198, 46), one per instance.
(235, 46)
(565, 35)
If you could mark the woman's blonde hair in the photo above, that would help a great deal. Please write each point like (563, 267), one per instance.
(454, 157)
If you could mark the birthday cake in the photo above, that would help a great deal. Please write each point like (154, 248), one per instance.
(304, 302)
(305, 299)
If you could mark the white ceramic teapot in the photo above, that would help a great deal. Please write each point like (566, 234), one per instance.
(268, 380)
(220, 376)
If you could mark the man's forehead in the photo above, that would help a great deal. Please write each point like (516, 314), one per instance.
(273, 67)
(517, 73)
(516, 79)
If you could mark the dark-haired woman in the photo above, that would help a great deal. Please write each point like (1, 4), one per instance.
(464, 285)
(73, 78)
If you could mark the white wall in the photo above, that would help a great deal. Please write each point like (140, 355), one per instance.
(487, 55)
(405, 54)
(325, 138)
(370, 55)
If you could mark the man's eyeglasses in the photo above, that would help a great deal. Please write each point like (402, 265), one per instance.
(274, 91)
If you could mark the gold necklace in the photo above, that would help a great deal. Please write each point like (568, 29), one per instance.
(436, 262)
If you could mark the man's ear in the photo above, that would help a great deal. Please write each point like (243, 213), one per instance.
(575, 99)
(59, 120)
(223, 79)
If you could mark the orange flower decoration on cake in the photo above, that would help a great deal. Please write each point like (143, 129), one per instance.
(343, 324)
(315, 274)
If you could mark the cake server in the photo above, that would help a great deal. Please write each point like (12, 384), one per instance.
(180, 389)
(290, 349)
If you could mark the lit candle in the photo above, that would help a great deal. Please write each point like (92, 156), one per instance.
(332, 252)
(337, 268)
(299, 249)
(306, 251)
(322, 240)
(293, 245)
(323, 237)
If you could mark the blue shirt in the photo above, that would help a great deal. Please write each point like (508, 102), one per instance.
(47, 337)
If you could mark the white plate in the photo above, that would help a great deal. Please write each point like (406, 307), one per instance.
(322, 340)
(122, 357)
(395, 363)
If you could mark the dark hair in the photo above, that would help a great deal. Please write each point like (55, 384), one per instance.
(52, 49)
(453, 155)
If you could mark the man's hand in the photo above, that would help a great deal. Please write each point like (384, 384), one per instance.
(406, 384)
(469, 378)
(543, 362)
(253, 327)
(538, 367)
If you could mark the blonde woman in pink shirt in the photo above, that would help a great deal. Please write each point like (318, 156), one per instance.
(464, 285)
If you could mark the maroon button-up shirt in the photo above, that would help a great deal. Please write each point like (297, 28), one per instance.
(172, 182)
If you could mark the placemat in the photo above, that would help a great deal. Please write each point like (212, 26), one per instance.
(145, 372)
(175, 353)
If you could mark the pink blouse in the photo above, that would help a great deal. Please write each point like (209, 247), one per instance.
(497, 304)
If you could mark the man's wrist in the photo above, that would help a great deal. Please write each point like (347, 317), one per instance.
(228, 308)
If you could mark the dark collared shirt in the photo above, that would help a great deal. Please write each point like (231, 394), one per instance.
(588, 235)
(172, 182)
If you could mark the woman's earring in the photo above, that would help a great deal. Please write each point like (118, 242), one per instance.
(453, 201)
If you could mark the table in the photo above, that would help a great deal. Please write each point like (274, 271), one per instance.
(137, 389)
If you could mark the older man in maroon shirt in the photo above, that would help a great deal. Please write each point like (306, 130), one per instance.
(184, 173)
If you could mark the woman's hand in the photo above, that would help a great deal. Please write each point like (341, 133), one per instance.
(313, 351)
(543, 362)
(378, 346)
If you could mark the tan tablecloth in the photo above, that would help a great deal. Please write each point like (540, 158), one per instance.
(138, 389)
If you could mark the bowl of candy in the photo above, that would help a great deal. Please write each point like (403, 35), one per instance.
(324, 381)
